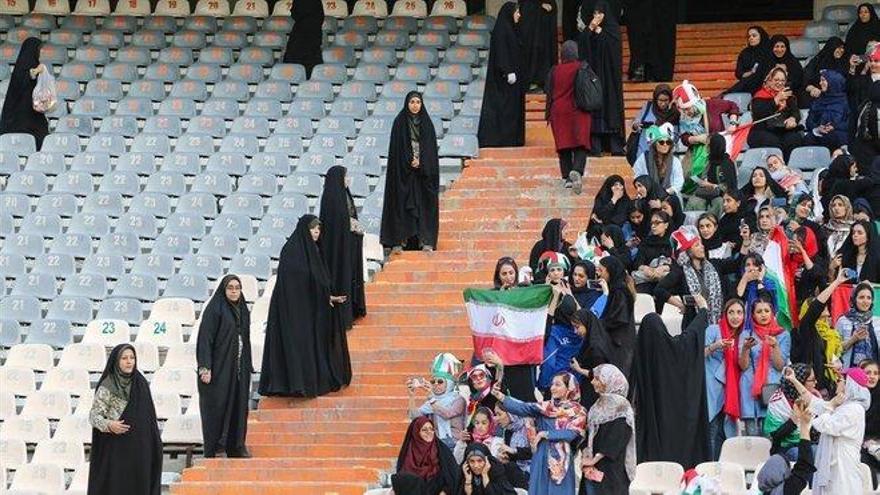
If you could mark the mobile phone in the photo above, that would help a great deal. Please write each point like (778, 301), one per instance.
(850, 274)
(689, 300)
(594, 284)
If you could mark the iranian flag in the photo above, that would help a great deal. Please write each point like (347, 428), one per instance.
(737, 139)
(511, 322)
(778, 271)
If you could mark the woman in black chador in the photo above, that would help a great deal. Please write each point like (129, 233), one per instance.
(304, 43)
(306, 351)
(18, 113)
(342, 244)
(411, 213)
(651, 26)
(503, 115)
(126, 455)
(223, 353)
(538, 31)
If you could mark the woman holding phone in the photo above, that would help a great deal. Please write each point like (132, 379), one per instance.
(856, 328)
(776, 100)
(722, 374)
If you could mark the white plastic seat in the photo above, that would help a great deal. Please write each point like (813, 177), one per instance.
(18, 380)
(644, 304)
(168, 404)
(160, 332)
(215, 8)
(40, 478)
(107, 332)
(450, 8)
(7, 405)
(52, 7)
(38, 357)
(133, 7)
(50, 404)
(175, 309)
(371, 8)
(13, 453)
(147, 356)
(657, 477)
(14, 7)
(93, 7)
(89, 355)
(80, 482)
(74, 381)
(68, 454)
(748, 452)
(84, 406)
(410, 8)
(732, 477)
(172, 8)
(334, 8)
(181, 356)
(282, 8)
(30, 429)
(251, 8)
(76, 428)
(181, 381)
(184, 428)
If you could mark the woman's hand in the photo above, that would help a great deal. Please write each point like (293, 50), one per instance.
(790, 123)
(118, 427)
(464, 436)
(497, 393)
(337, 300)
(771, 341)
(468, 477)
(547, 7)
(576, 367)
(205, 377)
(814, 91)
(541, 435)
(415, 162)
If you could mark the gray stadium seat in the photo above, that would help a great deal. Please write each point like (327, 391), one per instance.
(332, 73)
(160, 23)
(263, 183)
(245, 72)
(124, 183)
(113, 144)
(460, 73)
(208, 125)
(244, 204)
(230, 39)
(413, 73)
(754, 157)
(841, 14)
(105, 89)
(189, 39)
(372, 73)
(315, 162)
(398, 40)
(201, 144)
(9, 163)
(12, 266)
(57, 333)
(462, 55)
(361, 23)
(21, 308)
(67, 89)
(289, 204)
(359, 185)
(140, 224)
(222, 244)
(350, 39)
(137, 286)
(439, 108)
(303, 183)
(10, 332)
(124, 125)
(189, 89)
(96, 55)
(238, 223)
(329, 143)
(455, 145)
(201, 264)
(160, 266)
(134, 54)
(256, 55)
(251, 126)
(68, 144)
(291, 73)
(170, 183)
(377, 125)
(371, 144)
(464, 125)
(184, 108)
(38, 285)
(45, 162)
(203, 204)
(181, 162)
(270, 39)
(17, 205)
(21, 144)
(89, 224)
(177, 245)
(79, 71)
(355, 108)
(30, 183)
(128, 310)
(169, 126)
(190, 286)
(7, 224)
(229, 163)
(66, 37)
(338, 125)
(157, 204)
(804, 48)
(41, 224)
(310, 107)
(204, 72)
(246, 145)
(289, 145)
(249, 264)
(86, 284)
(63, 204)
(75, 124)
(379, 55)
(140, 163)
(151, 89)
(440, 23)
(445, 90)
(364, 163)
(167, 73)
(266, 245)
(821, 30)
(397, 91)
(315, 89)
(215, 55)
(77, 310)
(274, 89)
(120, 72)
(809, 158)
(74, 244)
(110, 265)
(296, 125)
(226, 108)
(422, 55)
(471, 107)
(54, 264)
(282, 224)
(187, 224)
(400, 23)
(125, 243)
(149, 38)
(475, 39)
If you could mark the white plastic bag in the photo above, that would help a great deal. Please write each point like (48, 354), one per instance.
(45, 94)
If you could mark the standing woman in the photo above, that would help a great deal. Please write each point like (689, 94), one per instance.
(411, 210)
(503, 114)
(126, 454)
(722, 374)
(609, 461)
(600, 45)
(753, 62)
(570, 124)
(342, 245)
(301, 327)
(304, 43)
(18, 113)
(538, 32)
(223, 352)
(815, 342)
(618, 317)
(865, 29)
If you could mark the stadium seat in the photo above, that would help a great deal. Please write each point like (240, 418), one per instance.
(274, 89)
(176, 309)
(370, 9)
(170, 183)
(202, 264)
(230, 38)
(289, 203)
(266, 245)
(138, 8)
(264, 183)
(450, 8)
(13, 265)
(63, 204)
(89, 354)
(177, 380)
(86, 284)
(114, 144)
(75, 428)
(167, 405)
(275, 222)
(731, 477)
(188, 286)
(74, 381)
(48, 404)
(55, 265)
(251, 126)
(20, 144)
(31, 429)
(75, 124)
(17, 380)
(181, 356)
(657, 477)
(199, 203)
(10, 332)
(172, 8)
(157, 204)
(804, 48)
(223, 244)
(290, 73)
(122, 124)
(7, 410)
(129, 310)
(104, 203)
(410, 8)
(215, 8)
(28, 245)
(806, 158)
(110, 265)
(310, 107)
(270, 39)
(38, 285)
(147, 356)
(39, 478)
(95, 8)
(187, 428)
(144, 287)
(748, 452)
(146, 89)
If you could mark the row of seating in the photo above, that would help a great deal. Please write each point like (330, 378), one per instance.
(46, 478)
(243, 8)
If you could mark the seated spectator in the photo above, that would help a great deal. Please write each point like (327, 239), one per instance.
(841, 424)
(862, 211)
(587, 295)
(753, 62)
(842, 168)
(609, 456)
(658, 111)
(649, 192)
(659, 162)
(838, 226)
(480, 381)
(871, 445)
(553, 267)
(780, 424)
(735, 213)
(445, 405)
(865, 29)
(808, 268)
(754, 281)
(716, 248)
(610, 207)
(722, 374)
(655, 255)
(561, 423)
(780, 47)
(861, 252)
(764, 350)
(552, 239)
(425, 465)
(516, 454)
(613, 243)
(828, 121)
(671, 205)
(833, 57)
(481, 430)
(865, 142)
(776, 476)
(783, 130)
(815, 342)
(720, 176)
(637, 228)
(862, 183)
(762, 190)
(483, 474)
(787, 178)
(856, 328)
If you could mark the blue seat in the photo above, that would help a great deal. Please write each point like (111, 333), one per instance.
(217, 56)
(125, 243)
(398, 40)
(186, 224)
(120, 24)
(149, 38)
(755, 157)
(41, 224)
(478, 39)
(246, 145)
(242, 204)
(140, 224)
(251, 126)
(809, 158)
(366, 163)
(184, 108)
(281, 24)
(50, 54)
(335, 144)
(200, 144)
(372, 144)
(250, 264)
(413, 73)
(124, 125)
(208, 125)
(121, 182)
(23, 309)
(464, 125)
(315, 162)
(114, 144)
(354, 108)
(55, 265)
(462, 55)
(108, 265)
(177, 245)
(257, 56)
(157, 144)
(45, 162)
(156, 204)
(460, 73)
(236, 224)
(361, 23)
(804, 48)
(229, 163)
(79, 71)
(274, 89)
(379, 55)
(200, 203)
(440, 23)
(445, 90)
(332, 73)
(230, 39)
(140, 163)
(10, 332)
(372, 73)
(160, 266)
(423, 55)
(67, 89)
(387, 107)
(18, 143)
(270, 39)
(189, 39)
(39, 285)
(72, 309)
(360, 186)
(338, 125)
(264, 107)
(265, 182)
(189, 89)
(290, 145)
(89, 224)
(204, 72)
(67, 144)
(307, 106)
(90, 54)
(9, 163)
(150, 89)
(120, 72)
(15, 204)
(75, 124)
(86, 284)
(128, 310)
(273, 223)
(160, 71)
(398, 90)
(266, 245)
(207, 265)
(303, 183)
(78, 180)
(182, 162)
(315, 89)
(161, 24)
(841, 14)
(471, 107)
(76, 245)
(293, 125)
(227, 108)
(169, 126)
(66, 37)
(290, 73)
(230, 90)
(245, 72)
(189, 286)
(742, 100)
(821, 30)
(54, 332)
(400, 23)
(137, 286)
(29, 183)
(440, 108)
(104, 88)
(350, 39)
(377, 125)
(455, 145)
(222, 244)
(132, 55)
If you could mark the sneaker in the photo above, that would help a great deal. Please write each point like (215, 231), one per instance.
(576, 183)
(427, 248)
(567, 184)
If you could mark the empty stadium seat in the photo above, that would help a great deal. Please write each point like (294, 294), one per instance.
(85, 284)
(30, 429)
(75, 309)
(410, 8)
(181, 381)
(74, 381)
(657, 477)
(809, 158)
(13, 452)
(173, 8)
(41, 478)
(747, 452)
(202, 264)
(176, 309)
(18, 380)
(821, 30)
(48, 404)
(129, 310)
(109, 265)
(75, 428)
(186, 429)
(107, 332)
(167, 405)
(147, 356)
(88, 355)
(731, 477)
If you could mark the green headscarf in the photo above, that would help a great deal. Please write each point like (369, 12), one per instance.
(113, 379)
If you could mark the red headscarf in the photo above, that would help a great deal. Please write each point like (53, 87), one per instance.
(419, 457)
(792, 263)
(762, 368)
(731, 370)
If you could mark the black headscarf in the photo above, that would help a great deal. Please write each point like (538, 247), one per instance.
(838, 171)
(860, 33)
(748, 190)
(721, 169)
(506, 260)
(551, 240)
(584, 295)
(502, 114)
(604, 53)
(671, 113)
(872, 415)
(18, 114)
(597, 349)
(411, 207)
(825, 60)
(338, 243)
(801, 372)
(870, 271)
(653, 190)
(756, 58)
(618, 316)
(498, 482)
(607, 211)
(715, 241)
(793, 66)
(130, 462)
(304, 43)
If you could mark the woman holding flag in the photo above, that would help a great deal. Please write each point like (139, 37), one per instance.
(770, 243)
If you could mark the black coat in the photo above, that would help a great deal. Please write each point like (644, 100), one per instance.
(503, 113)
(551, 240)
(411, 207)
(808, 347)
(223, 403)
(611, 441)
(651, 28)
(304, 43)
(342, 248)
(132, 462)
(301, 324)
(753, 58)
(672, 419)
(498, 482)
(18, 113)
(604, 53)
(538, 35)
(597, 349)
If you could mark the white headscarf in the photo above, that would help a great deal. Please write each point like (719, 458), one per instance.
(612, 405)
(853, 392)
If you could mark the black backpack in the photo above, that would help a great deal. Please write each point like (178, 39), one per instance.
(587, 89)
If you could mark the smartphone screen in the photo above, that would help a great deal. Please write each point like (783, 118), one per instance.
(689, 300)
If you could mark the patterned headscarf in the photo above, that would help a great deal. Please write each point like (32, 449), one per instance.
(707, 283)
(801, 372)
(478, 395)
(569, 415)
(611, 405)
(490, 431)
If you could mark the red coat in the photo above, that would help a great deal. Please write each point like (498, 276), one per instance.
(571, 126)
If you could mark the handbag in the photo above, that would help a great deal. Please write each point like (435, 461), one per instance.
(45, 96)
(632, 142)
